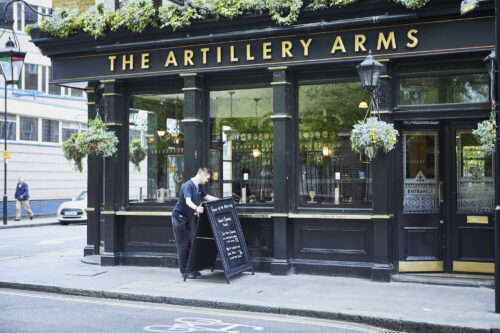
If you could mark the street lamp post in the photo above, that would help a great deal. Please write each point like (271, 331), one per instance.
(11, 63)
(369, 73)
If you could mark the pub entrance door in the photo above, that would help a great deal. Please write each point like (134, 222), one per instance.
(446, 201)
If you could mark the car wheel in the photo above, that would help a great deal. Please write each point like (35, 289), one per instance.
(63, 222)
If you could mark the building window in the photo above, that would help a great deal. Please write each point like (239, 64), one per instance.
(19, 16)
(11, 127)
(76, 92)
(155, 122)
(50, 130)
(53, 88)
(330, 173)
(44, 79)
(31, 76)
(68, 128)
(241, 145)
(471, 88)
(30, 17)
(29, 128)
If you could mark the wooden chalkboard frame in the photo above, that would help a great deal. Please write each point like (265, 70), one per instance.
(208, 240)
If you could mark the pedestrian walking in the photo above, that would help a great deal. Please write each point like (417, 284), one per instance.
(190, 198)
(22, 199)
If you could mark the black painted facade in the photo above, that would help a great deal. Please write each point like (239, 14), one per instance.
(285, 238)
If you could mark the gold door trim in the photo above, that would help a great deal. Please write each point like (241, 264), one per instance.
(420, 266)
(474, 267)
(144, 213)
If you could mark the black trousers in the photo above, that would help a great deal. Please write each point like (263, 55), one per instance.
(183, 233)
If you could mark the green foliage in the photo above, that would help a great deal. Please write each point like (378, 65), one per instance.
(412, 4)
(486, 134)
(97, 139)
(177, 17)
(137, 154)
(61, 23)
(134, 15)
(72, 151)
(96, 21)
(29, 27)
(370, 135)
(137, 15)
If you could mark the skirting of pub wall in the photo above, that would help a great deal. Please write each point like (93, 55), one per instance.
(333, 247)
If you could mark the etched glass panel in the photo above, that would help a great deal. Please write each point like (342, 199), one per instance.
(475, 181)
(420, 172)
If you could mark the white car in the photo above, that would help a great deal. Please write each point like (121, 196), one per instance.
(74, 210)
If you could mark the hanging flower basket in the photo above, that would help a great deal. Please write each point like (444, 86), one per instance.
(137, 154)
(97, 139)
(371, 134)
(486, 135)
(72, 151)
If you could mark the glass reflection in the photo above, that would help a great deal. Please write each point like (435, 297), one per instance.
(330, 172)
(241, 145)
(156, 122)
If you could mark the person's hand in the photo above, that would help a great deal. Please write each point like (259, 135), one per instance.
(199, 209)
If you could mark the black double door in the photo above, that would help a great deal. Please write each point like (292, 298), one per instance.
(445, 200)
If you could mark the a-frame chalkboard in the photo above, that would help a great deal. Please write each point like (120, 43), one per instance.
(219, 230)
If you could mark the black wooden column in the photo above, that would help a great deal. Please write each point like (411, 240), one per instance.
(115, 171)
(194, 116)
(383, 186)
(283, 174)
(94, 182)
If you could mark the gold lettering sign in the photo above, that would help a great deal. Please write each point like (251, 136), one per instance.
(204, 51)
(129, 62)
(359, 41)
(386, 41)
(112, 63)
(411, 36)
(171, 59)
(145, 61)
(266, 51)
(188, 57)
(306, 45)
(338, 45)
(286, 47)
(250, 57)
(233, 57)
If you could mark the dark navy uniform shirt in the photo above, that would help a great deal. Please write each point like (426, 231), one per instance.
(188, 190)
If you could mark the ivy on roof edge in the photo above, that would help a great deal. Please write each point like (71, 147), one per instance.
(137, 15)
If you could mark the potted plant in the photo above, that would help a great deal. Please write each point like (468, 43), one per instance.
(72, 151)
(486, 135)
(137, 154)
(371, 134)
(97, 139)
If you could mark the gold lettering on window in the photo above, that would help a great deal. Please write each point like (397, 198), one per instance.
(219, 54)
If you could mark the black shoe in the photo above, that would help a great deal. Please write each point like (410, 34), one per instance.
(197, 273)
(191, 276)
(31, 217)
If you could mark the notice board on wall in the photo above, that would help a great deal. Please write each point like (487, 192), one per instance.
(219, 231)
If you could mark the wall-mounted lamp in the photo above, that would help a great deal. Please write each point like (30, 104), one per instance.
(369, 73)
(468, 5)
(256, 152)
(160, 133)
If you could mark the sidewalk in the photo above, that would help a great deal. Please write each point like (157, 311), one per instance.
(26, 222)
(399, 306)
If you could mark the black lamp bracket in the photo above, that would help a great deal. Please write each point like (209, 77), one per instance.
(27, 4)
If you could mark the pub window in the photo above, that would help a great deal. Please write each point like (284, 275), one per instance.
(330, 173)
(470, 88)
(29, 128)
(241, 145)
(50, 130)
(76, 92)
(30, 16)
(31, 76)
(11, 127)
(19, 17)
(155, 122)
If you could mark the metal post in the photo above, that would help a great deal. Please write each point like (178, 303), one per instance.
(496, 86)
(4, 159)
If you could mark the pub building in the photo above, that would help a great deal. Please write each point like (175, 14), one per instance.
(269, 109)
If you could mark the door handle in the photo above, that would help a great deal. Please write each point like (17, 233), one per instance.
(441, 192)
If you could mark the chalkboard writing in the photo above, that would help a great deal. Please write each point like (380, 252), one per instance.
(219, 230)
